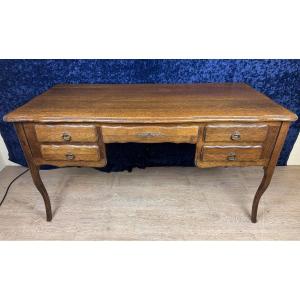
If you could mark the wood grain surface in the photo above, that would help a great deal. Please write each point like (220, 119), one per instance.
(151, 103)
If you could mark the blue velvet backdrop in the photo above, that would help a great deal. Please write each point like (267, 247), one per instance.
(20, 80)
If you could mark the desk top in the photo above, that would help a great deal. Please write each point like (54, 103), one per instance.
(150, 103)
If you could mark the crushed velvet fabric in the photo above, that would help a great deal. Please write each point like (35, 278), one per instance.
(21, 80)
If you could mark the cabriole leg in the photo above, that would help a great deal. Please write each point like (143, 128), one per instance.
(34, 169)
(268, 173)
(269, 169)
(35, 173)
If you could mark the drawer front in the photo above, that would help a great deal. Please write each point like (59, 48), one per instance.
(231, 153)
(71, 153)
(236, 132)
(66, 133)
(150, 134)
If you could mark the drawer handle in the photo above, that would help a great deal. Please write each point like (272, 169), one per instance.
(236, 136)
(149, 134)
(231, 156)
(66, 137)
(70, 156)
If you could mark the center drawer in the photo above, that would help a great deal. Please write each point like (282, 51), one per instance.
(70, 153)
(150, 134)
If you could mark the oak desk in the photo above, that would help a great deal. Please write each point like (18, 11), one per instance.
(230, 124)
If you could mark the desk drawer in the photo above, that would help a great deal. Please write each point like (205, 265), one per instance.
(66, 133)
(236, 132)
(231, 153)
(70, 153)
(150, 134)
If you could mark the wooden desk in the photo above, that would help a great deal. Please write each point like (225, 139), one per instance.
(230, 124)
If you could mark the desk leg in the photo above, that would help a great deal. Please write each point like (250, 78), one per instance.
(268, 173)
(34, 169)
(35, 174)
(269, 169)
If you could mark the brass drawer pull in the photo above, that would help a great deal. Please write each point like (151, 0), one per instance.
(70, 156)
(236, 136)
(66, 137)
(231, 156)
(149, 134)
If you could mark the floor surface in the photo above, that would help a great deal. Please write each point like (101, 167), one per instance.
(152, 204)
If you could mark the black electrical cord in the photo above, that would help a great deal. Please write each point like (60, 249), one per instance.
(7, 189)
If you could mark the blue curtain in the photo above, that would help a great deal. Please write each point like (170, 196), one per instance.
(20, 80)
